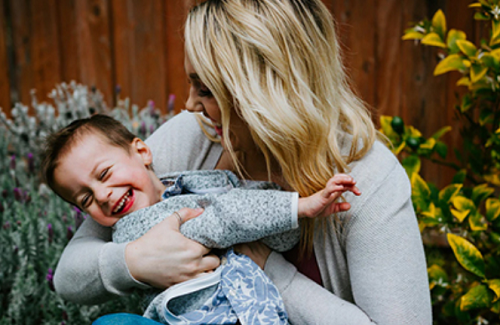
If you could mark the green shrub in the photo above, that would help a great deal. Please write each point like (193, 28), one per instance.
(35, 223)
(464, 273)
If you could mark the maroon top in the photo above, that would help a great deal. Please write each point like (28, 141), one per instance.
(306, 265)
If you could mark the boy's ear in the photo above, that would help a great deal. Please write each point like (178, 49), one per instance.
(143, 150)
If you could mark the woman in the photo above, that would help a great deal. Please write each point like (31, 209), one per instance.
(268, 74)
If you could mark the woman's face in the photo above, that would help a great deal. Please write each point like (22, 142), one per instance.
(202, 101)
(200, 98)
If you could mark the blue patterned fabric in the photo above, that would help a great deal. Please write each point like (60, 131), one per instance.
(243, 293)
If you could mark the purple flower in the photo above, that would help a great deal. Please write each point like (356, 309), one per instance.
(69, 233)
(78, 217)
(50, 232)
(151, 128)
(13, 162)
(6, 225)
(17, 194)
(171, 102)
(143, 128)
(64, 315)
(16, 249)
(31, 163)
(50, 279)
(118, 89)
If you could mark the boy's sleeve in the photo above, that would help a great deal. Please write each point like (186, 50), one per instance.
(238, 216)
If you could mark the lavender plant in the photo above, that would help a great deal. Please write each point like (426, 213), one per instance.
(35, 224)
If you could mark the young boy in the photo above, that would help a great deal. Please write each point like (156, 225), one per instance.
(99, 166)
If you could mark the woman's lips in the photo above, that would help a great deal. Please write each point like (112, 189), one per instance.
(218, 130)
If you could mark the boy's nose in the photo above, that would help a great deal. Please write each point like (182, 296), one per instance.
(102, 195)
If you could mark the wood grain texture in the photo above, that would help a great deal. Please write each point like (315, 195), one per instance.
(139, 45)
(4, 68)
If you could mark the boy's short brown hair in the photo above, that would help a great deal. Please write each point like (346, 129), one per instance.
(59, 143)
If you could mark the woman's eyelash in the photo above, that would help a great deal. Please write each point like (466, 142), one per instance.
(204, 93)
(85, 201)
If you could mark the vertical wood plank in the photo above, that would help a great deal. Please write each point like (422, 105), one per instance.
(94, 45)
(176, 13)
(45, 48)
(140, 50)
(389, 69)
(68, 41)
(21, 38)
(4, 71)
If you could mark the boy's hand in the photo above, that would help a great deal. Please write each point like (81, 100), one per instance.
(323, 203)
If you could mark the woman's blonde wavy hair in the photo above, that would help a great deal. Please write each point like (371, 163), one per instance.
(278, 63)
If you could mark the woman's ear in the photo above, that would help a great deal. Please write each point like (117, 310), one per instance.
(142, 149)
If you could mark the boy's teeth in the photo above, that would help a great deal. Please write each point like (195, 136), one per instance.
(122, 202)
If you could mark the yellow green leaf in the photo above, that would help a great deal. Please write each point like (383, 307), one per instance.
(492, 179)
(437, 276)
(420, 192)
(451, 40)
(464, 81)
(495, 32)
(428, 144)
(449, 192)
(439, 23)
(477, 72)
(414, 132)
(477, 297)
(492, 209)
(480, 193)
(400, 148)
(450, 63)
(477, 222)
(432, 217)
(385, 123)
(460, 215)
(494, 285)
(475, 5)
(412, 35)
(441, 132)
(497, 131)
(467, 254)
(433, 39)
(467, 48)
(496, 307)
(495, 54)
(462, 203)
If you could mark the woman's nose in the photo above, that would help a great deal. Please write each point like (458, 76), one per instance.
(192, 104)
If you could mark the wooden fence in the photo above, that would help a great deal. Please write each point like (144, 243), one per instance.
(138, 45)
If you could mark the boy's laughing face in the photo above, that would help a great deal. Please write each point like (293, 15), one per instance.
(105, 180)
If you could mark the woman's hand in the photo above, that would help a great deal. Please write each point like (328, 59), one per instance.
(164, 257)
(256, 250)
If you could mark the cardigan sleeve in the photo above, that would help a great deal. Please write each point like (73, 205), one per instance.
(377, 272)
(92, 269)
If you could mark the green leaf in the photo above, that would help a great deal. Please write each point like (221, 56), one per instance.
(485, 117)
(494, 286)
(437, 276)
(451, 63)
(467, 254)
(433, 39)
(441, 149)
(477, 222)
(477, 297)
(449, 192)
(464, 81)
(481, 16)
(467, 47)
(439, 23)
(451, 40)
(428, 144)
(492, 209)
(385, 124)
(433, 216)
(460, 215)
(480, 193)
(490, 61)
(420, 192)
(459, 177)
(411, 164)
(477, 72)
(466, 103)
